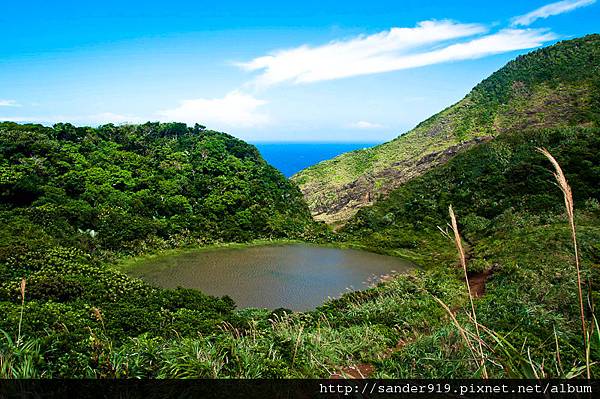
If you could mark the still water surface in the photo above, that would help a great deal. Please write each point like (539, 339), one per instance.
(295, 276)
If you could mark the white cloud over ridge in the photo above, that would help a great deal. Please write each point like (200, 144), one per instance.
(549, 10)
(236, 109)
(391, 50)
(109, 117)
(19, 119)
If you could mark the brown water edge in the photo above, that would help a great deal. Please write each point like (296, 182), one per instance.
(294, 276)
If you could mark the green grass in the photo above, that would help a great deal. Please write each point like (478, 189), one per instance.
(531, 295)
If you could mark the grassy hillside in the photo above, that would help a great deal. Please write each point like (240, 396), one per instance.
(555, 86)
(512, 218)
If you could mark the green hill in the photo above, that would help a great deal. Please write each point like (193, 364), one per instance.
(74, 200)
(84, 319)
(512, 219)
(556, 86)
(130, 188)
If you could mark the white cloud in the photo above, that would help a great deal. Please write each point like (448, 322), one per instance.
(365, 125)
(549, 10)
(94, 119)
(500, 42)
(392, 50)
(236, 109)
(9, 103)
(17, 119)
(356, 56)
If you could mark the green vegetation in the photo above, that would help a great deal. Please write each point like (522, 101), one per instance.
(515, 226)
(511, 215)
(134, 188)
(75, 201)
(557, 86)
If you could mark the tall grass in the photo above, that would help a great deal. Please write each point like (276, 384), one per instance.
(19, 360)
(563, 184)
(462, 331)
(463, 262)
(23, 284)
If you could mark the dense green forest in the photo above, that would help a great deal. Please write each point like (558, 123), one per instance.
(74, 201)
(129, 188)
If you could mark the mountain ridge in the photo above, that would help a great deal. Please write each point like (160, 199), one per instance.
(555, 86)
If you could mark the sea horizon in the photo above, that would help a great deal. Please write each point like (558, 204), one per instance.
(291, 157)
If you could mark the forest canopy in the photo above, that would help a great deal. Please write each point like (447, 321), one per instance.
(133, 187)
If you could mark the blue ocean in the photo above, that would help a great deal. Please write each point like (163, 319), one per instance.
(291, 158)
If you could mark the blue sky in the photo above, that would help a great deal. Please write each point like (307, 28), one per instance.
(274, 71)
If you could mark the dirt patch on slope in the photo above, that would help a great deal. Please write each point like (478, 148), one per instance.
(477, 282)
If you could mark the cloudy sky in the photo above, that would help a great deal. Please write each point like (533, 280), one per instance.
(266, 71)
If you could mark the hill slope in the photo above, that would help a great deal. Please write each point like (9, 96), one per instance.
(75, 199)
(555, 86)
(134, 187)
(512, 220)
